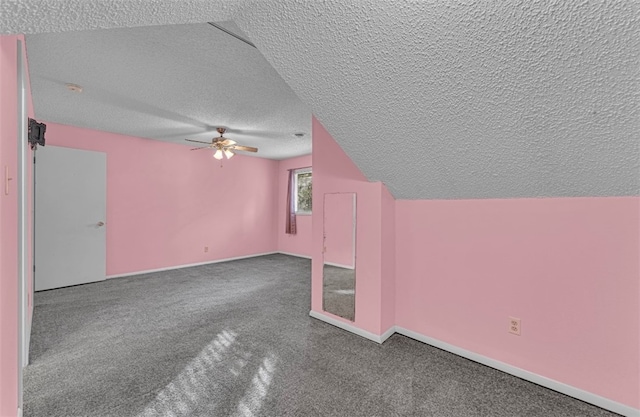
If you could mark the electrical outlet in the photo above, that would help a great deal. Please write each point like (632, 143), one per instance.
(206, 249)
(514, 326)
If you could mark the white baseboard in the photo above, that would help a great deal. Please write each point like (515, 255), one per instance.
(346, 326)
(295, 254)
(169, 268)
(574, 392)
(384, 336)
(339, 265)
(309, 257)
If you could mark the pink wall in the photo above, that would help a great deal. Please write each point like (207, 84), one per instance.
(8, 224)
(333, 172)
(455, 270)
(300, 243)
(165, 203)
(339, 229)
(567, 267)
(8, 229)
(388, 259)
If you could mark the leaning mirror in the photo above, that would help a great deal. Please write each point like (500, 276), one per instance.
(339, 255)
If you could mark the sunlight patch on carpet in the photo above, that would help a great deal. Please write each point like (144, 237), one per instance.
(182, 395)
(251, 402)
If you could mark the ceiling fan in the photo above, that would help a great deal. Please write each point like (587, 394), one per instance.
(223, 146)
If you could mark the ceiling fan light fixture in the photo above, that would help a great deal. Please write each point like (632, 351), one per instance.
(222, 146)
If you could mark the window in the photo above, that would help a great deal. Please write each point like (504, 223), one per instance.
(303, 191)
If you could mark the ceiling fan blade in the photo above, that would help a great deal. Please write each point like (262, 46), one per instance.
(198, 141)
(244, 148)
(204, 147)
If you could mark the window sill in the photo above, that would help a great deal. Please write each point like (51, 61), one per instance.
(303, 213)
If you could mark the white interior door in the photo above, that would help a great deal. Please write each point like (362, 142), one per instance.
(70, 206)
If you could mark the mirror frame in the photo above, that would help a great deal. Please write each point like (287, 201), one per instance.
(354, 238)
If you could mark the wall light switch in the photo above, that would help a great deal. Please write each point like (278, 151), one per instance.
(7, 178)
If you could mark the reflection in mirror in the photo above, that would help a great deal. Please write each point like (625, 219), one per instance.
(339, 255)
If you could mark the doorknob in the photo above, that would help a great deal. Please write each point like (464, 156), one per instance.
(100, 224)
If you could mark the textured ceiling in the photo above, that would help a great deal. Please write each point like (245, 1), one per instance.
(168, 83)
(446, 99)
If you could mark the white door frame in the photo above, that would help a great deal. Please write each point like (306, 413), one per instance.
(23, 222)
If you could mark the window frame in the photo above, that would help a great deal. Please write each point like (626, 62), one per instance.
(307, 170)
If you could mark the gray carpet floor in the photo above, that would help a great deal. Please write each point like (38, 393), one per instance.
(236, 339)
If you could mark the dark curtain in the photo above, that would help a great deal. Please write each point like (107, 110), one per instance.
(291, 205)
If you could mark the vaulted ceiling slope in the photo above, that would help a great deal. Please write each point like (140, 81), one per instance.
(436, 99)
